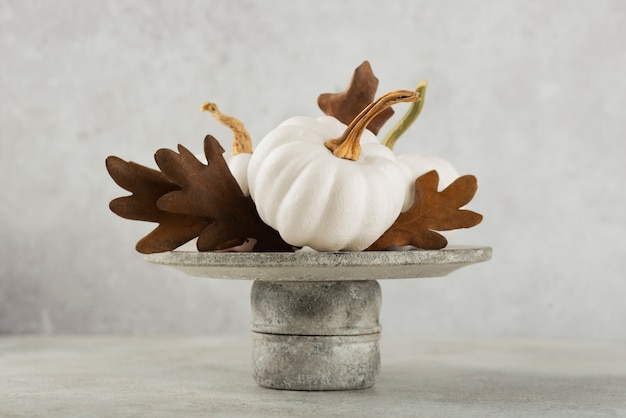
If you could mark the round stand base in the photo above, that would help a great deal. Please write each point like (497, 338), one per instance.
(301, 362)
(316, 335)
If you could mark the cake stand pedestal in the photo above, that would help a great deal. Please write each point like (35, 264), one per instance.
(315, 315)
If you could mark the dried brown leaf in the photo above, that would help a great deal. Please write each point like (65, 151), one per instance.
(210, 191)
(432, 211)
(361, 91)
(147, 186)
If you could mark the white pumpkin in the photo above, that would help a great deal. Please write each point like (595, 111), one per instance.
(339, 200)
(416, 165)
(238, 165)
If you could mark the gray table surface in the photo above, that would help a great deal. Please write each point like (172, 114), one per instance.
(211, 376)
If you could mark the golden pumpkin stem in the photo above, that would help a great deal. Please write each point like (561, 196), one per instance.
(408, 118)
(348, 145)
(242, 143)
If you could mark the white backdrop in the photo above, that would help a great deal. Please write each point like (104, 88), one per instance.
(528, 96)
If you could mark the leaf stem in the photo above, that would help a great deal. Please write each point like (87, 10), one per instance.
(408, 118)
(348, 145)
(242, 143)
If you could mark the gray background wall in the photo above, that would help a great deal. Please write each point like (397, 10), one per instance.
(528, 96)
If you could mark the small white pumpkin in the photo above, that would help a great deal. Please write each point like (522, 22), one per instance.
(415, 165)
(238, 165)
(329, 194)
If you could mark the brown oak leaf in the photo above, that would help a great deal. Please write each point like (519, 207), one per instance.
(210, 191)
(147, 186)
(432, 211)
(361, 91)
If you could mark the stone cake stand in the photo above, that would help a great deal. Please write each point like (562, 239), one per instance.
(315, 315)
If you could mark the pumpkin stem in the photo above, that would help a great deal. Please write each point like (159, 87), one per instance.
(408, 118)
(241, 138)
(348, 145)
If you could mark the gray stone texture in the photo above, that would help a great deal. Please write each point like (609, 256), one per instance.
(315, 363)
(316, 335)
(311, 333)
(314, 266)
(528, 96)
(316, 308)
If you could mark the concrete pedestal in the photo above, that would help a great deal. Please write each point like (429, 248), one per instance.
(316, 335)
(315, 315)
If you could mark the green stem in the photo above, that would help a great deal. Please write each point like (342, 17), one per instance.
(408, 118)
